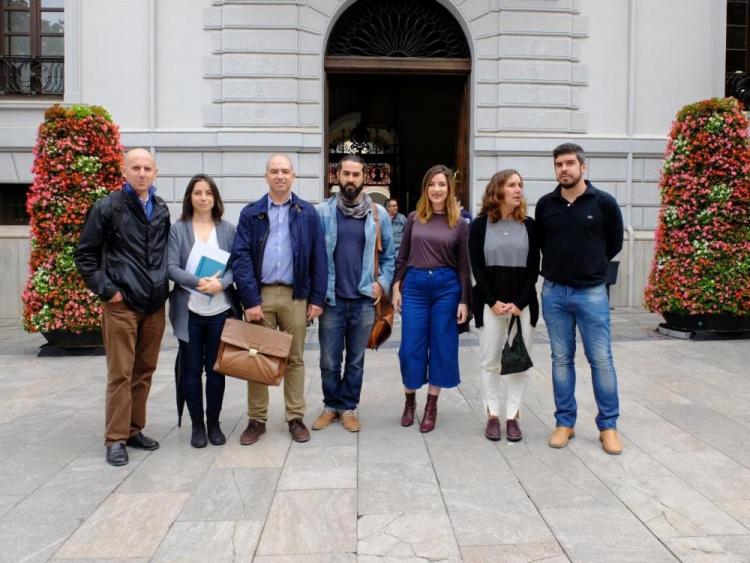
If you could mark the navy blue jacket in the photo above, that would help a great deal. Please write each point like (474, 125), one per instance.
(310, 266)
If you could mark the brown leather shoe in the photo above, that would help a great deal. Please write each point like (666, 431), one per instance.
(255, 429)
(492, 430)
(325, 419)
(561, 436)
(610, 441)
(350, 421)
(298, 430)
(407, 418)
(513, 431)
(430, 414)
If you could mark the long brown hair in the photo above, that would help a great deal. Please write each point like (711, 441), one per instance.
(187, 204)
(424, 205)
(493, 197)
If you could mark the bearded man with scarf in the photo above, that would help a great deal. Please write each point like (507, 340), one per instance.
(348, 223)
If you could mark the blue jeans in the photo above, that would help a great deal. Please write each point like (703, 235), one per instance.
(564, 308)
(344, 326)
(197, 355)
(429, 332)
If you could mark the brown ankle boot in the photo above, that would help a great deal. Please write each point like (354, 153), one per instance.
(407, 419)
(430, 414)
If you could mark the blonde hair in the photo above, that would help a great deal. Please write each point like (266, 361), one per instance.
(424, 205)
(493, 197)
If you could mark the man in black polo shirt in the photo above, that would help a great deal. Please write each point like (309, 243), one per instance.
(580, 230)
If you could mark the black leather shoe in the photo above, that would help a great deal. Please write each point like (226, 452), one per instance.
(142, 442)
(117, 455)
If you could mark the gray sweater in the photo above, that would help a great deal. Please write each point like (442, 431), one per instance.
(181, 241)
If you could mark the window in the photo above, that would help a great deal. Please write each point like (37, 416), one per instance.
(738, 51)
(13, 204)
(32, 47)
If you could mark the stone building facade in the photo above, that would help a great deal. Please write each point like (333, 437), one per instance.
(214, 86)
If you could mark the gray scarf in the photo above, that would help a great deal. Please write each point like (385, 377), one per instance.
(357, 210)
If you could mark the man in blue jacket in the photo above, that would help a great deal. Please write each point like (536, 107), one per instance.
(279, 264)
(348, 221)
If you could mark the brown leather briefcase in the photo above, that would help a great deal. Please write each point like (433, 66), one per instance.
(253, 352)
(384, 312)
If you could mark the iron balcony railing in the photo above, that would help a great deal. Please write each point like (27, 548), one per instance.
(32, 76)
(737, 85)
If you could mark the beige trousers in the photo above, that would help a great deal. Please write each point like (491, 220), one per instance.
(290, 315)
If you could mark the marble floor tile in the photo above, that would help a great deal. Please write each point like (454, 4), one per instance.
(404, 535)
(549, 552)
(730, 549)
(232, 494)
(38, 525)
(384, 440)
(174, 467)
(710, 472)
(494, 515)
(665, 503)
(388, 487)
(99, 560)
(270, 451)
(8, 502)
(218, 542)
(604, 534)
(125, 525)
(307, 558)
(739, 510)
(334, 435)
(311, 522)
(324, 467)
(386, 559)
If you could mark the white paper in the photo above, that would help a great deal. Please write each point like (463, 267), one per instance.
(199, 250)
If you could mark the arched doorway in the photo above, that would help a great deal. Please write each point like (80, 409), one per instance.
(397, 93)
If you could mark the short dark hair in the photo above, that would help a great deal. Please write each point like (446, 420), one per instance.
(354, 158)
(187, 204)
(389, 200)
(570, 148)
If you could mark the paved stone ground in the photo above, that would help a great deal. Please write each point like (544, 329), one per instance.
(680, 491)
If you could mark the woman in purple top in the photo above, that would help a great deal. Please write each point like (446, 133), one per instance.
(431, 291)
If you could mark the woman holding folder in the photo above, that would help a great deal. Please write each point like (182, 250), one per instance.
(198, 255)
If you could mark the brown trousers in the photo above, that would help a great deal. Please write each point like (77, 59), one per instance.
(290, 315)
(132, 342)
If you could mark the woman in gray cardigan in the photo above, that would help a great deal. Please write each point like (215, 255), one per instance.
(198, 307)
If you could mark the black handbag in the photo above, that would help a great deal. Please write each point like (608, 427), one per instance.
(515, 358)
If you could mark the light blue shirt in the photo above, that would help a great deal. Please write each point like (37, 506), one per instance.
(278, 258)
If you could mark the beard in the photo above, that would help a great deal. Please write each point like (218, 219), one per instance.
(351, 191)
(570, 181)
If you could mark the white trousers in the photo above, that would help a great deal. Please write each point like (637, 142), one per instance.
(492, 338)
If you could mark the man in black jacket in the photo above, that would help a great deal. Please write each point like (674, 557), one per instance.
(122, 258)
(580, 230)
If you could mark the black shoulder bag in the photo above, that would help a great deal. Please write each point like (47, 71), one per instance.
(515, 358)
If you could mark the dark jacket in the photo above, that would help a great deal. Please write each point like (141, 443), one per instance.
(310, 266)
(501, 283)
(121, 250)
(578, 239)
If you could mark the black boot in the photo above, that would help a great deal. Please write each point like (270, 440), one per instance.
(215, 435)
(198, 439)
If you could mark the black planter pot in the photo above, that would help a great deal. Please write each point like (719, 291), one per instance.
(719, 322)
(69, 343)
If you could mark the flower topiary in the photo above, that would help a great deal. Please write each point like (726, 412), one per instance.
(702, 260)
(77, 161)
